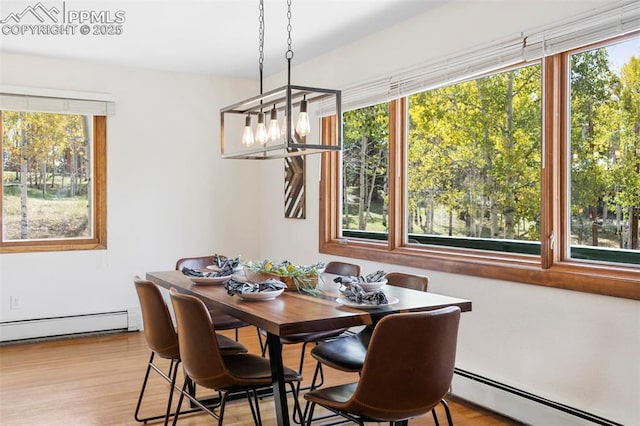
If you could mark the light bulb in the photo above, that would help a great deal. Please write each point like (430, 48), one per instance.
(274, 127)
(247, 135)
(261, 131)
(303, 127)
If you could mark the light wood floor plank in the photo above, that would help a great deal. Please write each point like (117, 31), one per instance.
(96, 380)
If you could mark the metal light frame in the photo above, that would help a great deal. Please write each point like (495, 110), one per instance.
(284, 100)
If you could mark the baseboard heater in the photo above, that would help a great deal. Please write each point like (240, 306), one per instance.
(518, 404)
(128, 319)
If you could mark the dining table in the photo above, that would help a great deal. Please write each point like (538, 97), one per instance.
(295, 312)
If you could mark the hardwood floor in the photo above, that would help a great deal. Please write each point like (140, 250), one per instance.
(96, 380)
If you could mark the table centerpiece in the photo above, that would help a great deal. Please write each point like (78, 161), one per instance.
(296, 277)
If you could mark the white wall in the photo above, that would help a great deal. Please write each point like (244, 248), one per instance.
(577, 349)
(169, 195)
(168, 189)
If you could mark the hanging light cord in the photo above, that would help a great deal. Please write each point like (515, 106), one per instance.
(261, 40)
(289, 53)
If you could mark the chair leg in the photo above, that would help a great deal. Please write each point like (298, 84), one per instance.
(298, 417)
(144, 385)
(435, 417)
(184, 389)
(170, 377)
(313, 386)
(311, 408)
(223, 402)
(447, 411)
(252, 398)
(174, 376)
(262, 344)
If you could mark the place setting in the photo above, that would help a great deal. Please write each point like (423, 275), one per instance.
(266, 290)
(218, 273)
(364, 292)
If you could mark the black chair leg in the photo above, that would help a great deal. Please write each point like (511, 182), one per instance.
(308, 404)
(447, 411)
(174, 376)
(171, 378)
(144, 386)
(184, 389)
(223, 402)
(311, 408)
(435, 417)
(252, 398)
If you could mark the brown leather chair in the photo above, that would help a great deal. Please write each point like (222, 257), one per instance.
(205, 366)
(403, 376)
(220, 320)
(163, 341)
(348, 353)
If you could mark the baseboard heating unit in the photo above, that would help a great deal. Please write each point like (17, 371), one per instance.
(518, 404)
(125, 320)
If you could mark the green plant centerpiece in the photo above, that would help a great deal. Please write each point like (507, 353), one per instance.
(296, 277)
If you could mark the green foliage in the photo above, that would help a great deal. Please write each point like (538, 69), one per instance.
(45, 157)
(475, 155)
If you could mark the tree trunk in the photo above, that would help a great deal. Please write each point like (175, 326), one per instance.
(633, 228)
(372, 183)
(594, 226)
(509, 208)
(362, 219)
(24, 171)
(44, 180)
(345, 202)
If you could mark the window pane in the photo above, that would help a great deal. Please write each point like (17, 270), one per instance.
(365, 186)
(605, 153)
(474, 163)
(46, 176)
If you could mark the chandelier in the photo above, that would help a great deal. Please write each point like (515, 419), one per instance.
(280, 137)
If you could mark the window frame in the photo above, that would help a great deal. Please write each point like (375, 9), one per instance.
(99, 239)
(552, 268)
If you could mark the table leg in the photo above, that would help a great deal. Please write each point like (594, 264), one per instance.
(277, 374)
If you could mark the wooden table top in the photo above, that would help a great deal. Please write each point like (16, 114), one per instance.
(292, 312)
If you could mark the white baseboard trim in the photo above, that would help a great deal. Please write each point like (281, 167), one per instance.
(128, 319)
(518, 404)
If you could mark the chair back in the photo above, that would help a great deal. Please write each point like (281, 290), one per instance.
(342, 268)
(409, 364)
(195, 262)
(199, 349)
(158, 325)
(415, 282)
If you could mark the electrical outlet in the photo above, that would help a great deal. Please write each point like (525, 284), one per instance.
(15, 302)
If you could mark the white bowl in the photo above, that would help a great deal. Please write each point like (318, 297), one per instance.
(373, 286)
(262, 295)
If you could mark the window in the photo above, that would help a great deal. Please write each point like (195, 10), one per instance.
(530, 173)
(605, 152)
(364, 172)
(473, 169)
(53, 181)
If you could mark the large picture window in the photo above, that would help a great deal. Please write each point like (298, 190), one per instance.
(530, 173)
(605, 152)
(473, 162)
(53, 181)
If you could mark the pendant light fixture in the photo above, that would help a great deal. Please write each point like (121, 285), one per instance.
(305, 104)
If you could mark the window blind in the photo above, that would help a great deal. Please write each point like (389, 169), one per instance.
(599, 24)
(54, 101)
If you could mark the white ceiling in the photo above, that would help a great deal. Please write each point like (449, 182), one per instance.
(217, 37)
